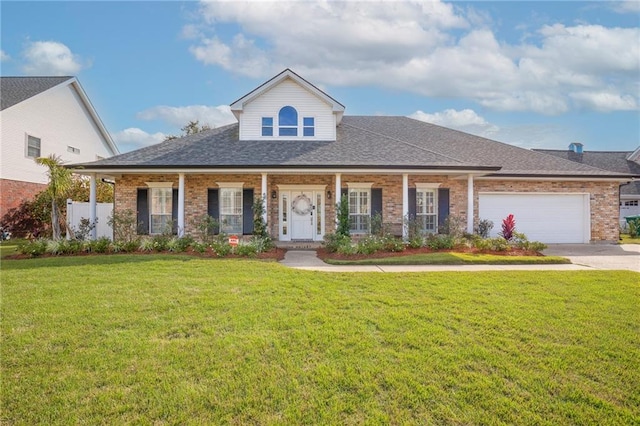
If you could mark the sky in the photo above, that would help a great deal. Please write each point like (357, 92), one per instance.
(537, 74)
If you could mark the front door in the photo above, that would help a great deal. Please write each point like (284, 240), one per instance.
(301, 213)
(301, 216)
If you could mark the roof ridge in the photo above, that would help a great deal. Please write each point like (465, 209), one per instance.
(404, 142)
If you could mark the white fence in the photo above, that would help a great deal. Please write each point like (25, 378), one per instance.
(76, 211)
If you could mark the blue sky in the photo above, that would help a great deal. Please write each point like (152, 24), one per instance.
(533, 74)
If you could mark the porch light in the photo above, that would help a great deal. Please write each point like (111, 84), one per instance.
(329, 195)
(274, 195)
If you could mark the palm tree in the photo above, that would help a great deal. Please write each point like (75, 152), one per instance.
(59, 183)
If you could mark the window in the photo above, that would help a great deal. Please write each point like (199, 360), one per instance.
(267, 126)
(161, 220)
(308, 126)
(73, 149)
(630, 203)
(288, 121)
(33, 146)
(231, 210)
(359, 210)
(426, 209)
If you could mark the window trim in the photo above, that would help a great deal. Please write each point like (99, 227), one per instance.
(306, 127)
(285, 127)
(421, 216)
(27, 138)
(266, 127)
(360, 187)
(155, 186)
(222, 188)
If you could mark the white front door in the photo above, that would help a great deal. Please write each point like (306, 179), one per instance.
(301, 213)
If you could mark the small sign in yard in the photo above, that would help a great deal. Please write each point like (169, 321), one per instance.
(233, 240)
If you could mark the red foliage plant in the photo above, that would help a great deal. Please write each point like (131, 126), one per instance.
(508, 227)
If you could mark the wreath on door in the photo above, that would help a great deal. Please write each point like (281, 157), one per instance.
(302, 205)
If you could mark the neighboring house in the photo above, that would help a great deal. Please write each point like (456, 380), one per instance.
(626, 162)
(294, 146)
(40, 116)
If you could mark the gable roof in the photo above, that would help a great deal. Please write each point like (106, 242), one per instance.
(362, 142)
(336, 106)
(614, 161)
(14, 90)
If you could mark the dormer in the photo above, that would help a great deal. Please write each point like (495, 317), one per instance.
(287, 107)
(576, 147)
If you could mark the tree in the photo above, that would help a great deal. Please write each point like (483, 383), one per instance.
(59, 183)
(191, 128)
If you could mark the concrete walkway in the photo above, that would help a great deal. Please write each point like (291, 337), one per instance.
(582, 256)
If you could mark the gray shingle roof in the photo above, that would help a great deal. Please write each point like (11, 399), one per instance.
(361, 142)
(14, 90)
(615, 161)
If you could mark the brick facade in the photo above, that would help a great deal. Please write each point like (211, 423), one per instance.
(603, 195)
(14, 192)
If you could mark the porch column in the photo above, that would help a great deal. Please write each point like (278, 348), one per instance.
(265, 199)
(181, 205)
(405, 204)
(338, 193)
(92, 206)
(470, 204)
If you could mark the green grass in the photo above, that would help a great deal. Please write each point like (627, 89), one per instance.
(7, 248)
(453, 259)
(177, 340)
(626, 239)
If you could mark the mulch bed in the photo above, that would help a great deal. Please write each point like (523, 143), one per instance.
(324, 254)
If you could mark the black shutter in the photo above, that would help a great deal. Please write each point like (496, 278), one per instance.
(142, 207)
(247, 211)
(443, 205)
(174, 212)
(412, 203)
(213, 206)
(376, 201)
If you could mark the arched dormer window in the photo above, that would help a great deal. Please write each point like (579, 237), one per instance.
(288, 121)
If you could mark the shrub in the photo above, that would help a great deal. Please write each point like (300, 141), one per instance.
(262, 244)
(453, 226)
(248, 250)
(84, 229)
(520, 241)
(393, 244)
(415, 236)
(634, 228)
(508, 227)
(333, 242)
(199, 247)
(101, 245)
(220, 245)
(484, 227)
(369, 245)
(342, 209)
(124, 225)
(33, 248)
(260, 229)
(206, 228)
(441, 242)
(126, 246)
(179, 244)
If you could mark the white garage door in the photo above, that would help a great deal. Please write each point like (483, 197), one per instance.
(549, 218)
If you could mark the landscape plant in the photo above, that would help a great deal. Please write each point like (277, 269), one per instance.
(342, 209)
(59, 182)
(508, 227)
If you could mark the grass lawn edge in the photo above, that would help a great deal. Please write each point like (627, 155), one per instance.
(454, 259)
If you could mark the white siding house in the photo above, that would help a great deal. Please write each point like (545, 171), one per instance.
(42, 116)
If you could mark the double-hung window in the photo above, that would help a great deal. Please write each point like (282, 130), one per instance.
(161, 207)
(308, 126)
(427, 209)
(359, 208)
(267, 126)
(231, 209)
(33, 147)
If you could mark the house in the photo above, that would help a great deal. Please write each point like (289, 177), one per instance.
(626, 162)
(40, 116)
(294, 147)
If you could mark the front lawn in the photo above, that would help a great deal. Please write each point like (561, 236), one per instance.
(162, 339)
(451, 258)
(627, 239)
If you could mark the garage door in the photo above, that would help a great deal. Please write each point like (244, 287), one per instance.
(549, 218)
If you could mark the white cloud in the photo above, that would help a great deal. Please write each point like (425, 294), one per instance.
(50, 58)
(626, 6)
(466, 120)
(134, 138)
(179, 116)
(605, 101)
(429, 48)
(4, 56)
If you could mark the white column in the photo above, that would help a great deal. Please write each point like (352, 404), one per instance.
(338, 193)
(470, 204)
(264, 197)
(405, 204)
(181, 205)
(93, 196)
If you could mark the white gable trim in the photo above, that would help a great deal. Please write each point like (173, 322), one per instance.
(337, 107)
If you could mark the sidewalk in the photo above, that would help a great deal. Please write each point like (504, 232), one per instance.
(307, 260)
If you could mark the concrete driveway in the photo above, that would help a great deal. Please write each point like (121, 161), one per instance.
(599, 256)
